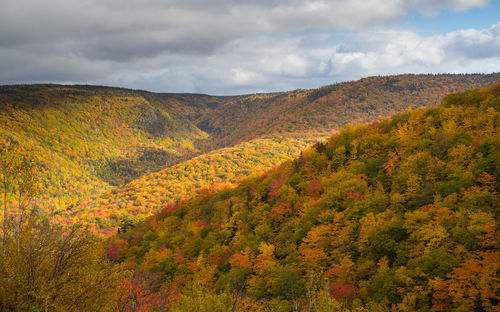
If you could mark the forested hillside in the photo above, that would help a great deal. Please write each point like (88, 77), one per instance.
(217, 169)
(397, 215)
(85, 141)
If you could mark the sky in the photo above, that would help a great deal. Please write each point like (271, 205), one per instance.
(225, 47)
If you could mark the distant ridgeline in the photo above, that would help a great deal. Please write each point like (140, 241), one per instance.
(401, 214)
(84, 141)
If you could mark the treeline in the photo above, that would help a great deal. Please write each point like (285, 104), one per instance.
(397, 215)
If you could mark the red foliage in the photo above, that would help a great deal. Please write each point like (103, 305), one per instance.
(221, 258)
(202, 223)
(112, 253)
(344, 292)
(335, 272)
(253, 190)
(280, 211)
(143, 294)
(168, 208)
(375, 124)
(275, 187)
(315, 188)
(427, 207)
(179, 257)
(192, 266)
(473, 280)
(217, 223)
(241, 259)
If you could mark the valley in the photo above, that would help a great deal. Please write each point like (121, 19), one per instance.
(85, 141)
(374, 195)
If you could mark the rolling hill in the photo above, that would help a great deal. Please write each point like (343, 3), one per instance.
(329, 108)
(217, 169)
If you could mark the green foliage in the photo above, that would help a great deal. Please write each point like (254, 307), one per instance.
(400, 214)
(214, 170)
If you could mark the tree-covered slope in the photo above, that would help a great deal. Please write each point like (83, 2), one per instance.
(263, 123)
(81, 139)
(219, 168)
(397, 215)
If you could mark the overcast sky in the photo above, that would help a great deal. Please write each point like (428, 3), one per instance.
(235, 47)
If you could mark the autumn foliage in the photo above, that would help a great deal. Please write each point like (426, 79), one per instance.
(215, 203)
(400, 215)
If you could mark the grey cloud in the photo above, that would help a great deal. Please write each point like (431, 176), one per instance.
(286, 64)
(433, 6)
(25, 21)
(218, 46)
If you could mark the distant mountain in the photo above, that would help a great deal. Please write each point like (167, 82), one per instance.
(400, 214)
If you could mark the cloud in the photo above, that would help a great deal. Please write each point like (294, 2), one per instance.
(264, 63)
(431, 7)
(228, 46)
(193, 26)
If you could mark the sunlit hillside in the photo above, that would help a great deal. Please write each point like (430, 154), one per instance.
(81, 140)
(217, 169)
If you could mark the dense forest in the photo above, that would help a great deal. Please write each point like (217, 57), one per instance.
(264, 144)
(82, 140)
(331, 107)
(85, 140)
(397, 214)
